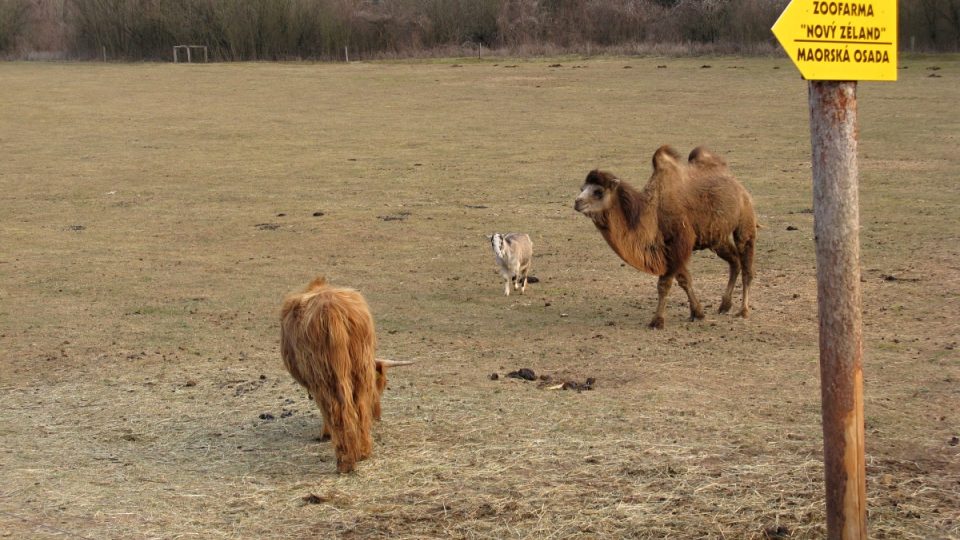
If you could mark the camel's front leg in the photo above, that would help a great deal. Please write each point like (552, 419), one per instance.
(686, 282)
(663, 288)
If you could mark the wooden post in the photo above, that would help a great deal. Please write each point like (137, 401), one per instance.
(346, 54)
(189, 60)
(206, 58)
(479, 50)
(833, 133)
(174, 54)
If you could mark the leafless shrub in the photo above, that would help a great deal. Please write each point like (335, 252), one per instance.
(13, 18)
(930, 25)
(321, 29)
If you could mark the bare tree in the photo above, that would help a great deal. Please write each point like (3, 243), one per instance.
(280, 29)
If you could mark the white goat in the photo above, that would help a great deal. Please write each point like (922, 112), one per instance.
(513, 252)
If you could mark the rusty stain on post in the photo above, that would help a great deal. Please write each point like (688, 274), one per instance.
(833, 133)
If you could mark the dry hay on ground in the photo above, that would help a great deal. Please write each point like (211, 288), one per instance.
(155, 215)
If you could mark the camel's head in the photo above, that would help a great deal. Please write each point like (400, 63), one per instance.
(597, 194)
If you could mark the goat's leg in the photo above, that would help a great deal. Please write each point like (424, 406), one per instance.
(686, 282)
(523, 289)
(506, 285)
(728, 252)
(663, 288)
(746, 262)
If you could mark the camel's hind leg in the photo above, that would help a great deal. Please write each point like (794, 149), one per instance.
(728, 252)
(686, 282)
(663, 289)
(746, 263)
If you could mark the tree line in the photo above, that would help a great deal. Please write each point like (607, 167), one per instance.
(321, 29)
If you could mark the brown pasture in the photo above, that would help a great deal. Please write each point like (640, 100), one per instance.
(154, 216)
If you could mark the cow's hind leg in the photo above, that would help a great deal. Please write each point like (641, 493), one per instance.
(325, 428)
(340, 420)
(366, 411)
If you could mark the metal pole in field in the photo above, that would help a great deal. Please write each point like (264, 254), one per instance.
(833, 134)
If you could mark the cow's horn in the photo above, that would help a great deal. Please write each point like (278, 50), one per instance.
(393, 363)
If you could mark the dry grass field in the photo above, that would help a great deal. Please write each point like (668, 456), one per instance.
(154, 215)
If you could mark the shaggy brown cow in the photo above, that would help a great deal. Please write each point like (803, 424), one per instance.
(684, 207)
(328, 342)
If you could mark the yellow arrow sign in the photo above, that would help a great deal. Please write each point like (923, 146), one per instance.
(841, 41)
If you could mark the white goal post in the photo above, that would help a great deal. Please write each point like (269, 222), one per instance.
(189, 49)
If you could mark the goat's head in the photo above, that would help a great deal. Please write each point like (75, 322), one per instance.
(597, 194)
(382, 366)
(496, 242)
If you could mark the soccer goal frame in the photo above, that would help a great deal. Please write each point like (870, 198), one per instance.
(189, 50)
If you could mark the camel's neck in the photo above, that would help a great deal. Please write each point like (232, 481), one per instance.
(630, 227)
